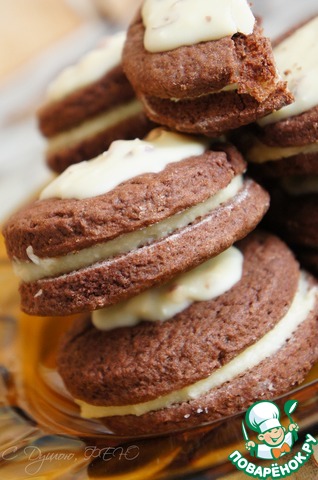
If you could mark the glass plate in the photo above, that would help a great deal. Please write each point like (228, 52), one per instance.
(43, 436)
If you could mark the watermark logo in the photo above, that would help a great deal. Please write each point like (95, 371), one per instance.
(264, 418)
(37, 461)
(274, 441)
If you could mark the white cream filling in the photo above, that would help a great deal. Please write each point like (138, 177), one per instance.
(94, 126)
(299, 185)
(125, 159)
(228, 88)
(89, 69)
(171, 24)
(268, 345)
(297, 60)
(261, 153)
(47, 267)
(207, 281)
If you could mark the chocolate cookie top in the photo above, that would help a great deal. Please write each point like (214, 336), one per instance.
(55, 227)
(201, 69)
(188, 347)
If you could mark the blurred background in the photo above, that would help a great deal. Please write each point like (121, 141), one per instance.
(38, 38)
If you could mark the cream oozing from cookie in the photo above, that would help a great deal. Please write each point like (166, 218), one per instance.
(94, 126)
(89, 69)
(124, 160)
(300, 309)
(207, 281)
(261, 153)
(39, 268)
(170, 24)
(297, 60)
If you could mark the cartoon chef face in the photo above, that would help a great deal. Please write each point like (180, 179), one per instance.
(273, 437)
(263, 417)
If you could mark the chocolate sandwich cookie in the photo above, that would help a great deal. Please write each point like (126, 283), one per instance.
(144, 211)
(89, 105)
(286, 142)
(217, 75)
(255, 338)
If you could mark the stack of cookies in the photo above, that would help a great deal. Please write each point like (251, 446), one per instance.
(89, 105)
(187, 327)
(284, 145)
(189, 314)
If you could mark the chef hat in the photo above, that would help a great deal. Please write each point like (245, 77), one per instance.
(263, 416)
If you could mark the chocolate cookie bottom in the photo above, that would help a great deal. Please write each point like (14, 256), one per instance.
(214, 114)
